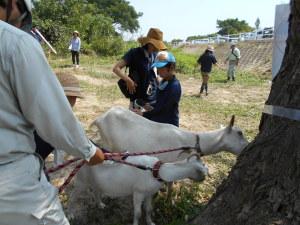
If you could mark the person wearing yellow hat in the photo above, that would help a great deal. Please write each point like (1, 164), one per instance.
(141, 82)
(206, 60)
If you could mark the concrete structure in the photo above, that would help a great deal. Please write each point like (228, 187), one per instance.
(280, 36)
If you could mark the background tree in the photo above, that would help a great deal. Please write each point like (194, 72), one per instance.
(263, 187)
(257, 23)
(58, 19)
(195, 37)
(122, 13)
(232, 26)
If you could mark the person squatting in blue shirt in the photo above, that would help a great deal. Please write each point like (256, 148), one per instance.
(168, 93)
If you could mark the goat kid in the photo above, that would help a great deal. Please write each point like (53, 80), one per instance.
(119, 180)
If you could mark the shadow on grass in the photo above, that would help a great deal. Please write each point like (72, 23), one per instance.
(221, 81)
(65, 66)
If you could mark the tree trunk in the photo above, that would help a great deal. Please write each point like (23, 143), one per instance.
(263, 187)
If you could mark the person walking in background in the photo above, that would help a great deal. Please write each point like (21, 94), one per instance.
(165, 109)
(233, 59)
(141, 82)
(206, 60)
(75, 48)
(32, 99)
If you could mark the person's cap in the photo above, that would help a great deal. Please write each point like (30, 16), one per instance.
(163, 58)
(154, 37)
(210, 48)
(70, 84)
(75, 32)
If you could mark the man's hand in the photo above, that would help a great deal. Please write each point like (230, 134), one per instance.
(130, 85)
(138, 111)
(97, 158)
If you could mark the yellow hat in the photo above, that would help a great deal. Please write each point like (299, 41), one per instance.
(155, 37)
(70, 84)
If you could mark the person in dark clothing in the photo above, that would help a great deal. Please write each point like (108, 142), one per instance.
(206, 60)
(168, 93)
(141, 81)
(71, 87)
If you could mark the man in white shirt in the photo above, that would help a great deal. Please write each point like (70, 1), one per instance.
(26, 84)
(233, 59)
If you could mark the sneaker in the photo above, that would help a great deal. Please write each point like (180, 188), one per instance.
(77, 66)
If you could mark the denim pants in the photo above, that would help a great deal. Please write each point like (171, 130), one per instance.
(26, 197)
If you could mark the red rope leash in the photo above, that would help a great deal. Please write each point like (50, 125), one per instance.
(111, 155)
(54, 169)
(72, 174)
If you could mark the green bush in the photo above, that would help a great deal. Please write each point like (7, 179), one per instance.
(108, 46)
(185, 63)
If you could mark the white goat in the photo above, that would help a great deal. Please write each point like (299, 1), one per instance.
(118, 180)
(122, 130)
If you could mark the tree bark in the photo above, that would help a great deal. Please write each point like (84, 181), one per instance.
(263, 188)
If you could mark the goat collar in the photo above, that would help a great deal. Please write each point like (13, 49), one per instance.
(155, 170)
(197, 146)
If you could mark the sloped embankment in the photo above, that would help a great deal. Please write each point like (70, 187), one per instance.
(256, 55)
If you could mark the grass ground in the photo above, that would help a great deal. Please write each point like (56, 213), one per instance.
(244, 98)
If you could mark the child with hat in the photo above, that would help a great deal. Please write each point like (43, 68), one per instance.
(71, 87)
(206, 60)
(168, 93)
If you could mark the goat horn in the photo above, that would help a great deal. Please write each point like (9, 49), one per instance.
(231, 121)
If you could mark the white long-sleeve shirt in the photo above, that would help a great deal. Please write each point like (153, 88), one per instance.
(31, 98)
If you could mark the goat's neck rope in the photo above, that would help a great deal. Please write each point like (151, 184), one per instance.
(197, 145)
(155, 170)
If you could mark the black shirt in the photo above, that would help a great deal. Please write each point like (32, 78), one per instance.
(206, 60)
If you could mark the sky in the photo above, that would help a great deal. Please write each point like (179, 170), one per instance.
(183, 18)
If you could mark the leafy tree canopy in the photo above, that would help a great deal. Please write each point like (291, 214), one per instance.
(122, 13)
(232, 26)
(58, 19)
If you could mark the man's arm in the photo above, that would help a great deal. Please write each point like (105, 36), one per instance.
(117, 69)
(43, 103)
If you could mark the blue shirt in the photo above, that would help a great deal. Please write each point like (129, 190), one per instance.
(166, 106)
(206, 60)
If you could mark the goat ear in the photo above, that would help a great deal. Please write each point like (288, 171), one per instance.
(231, 123)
